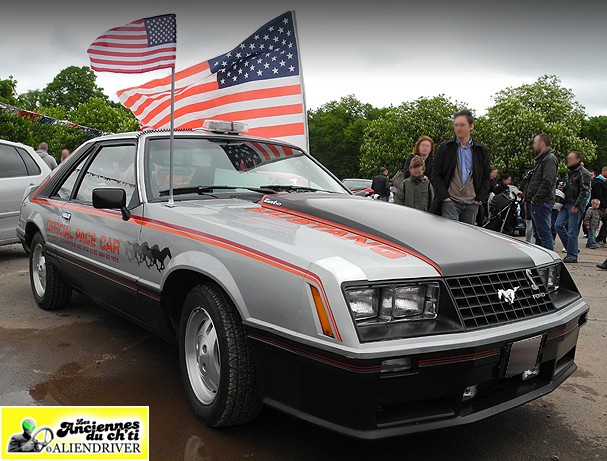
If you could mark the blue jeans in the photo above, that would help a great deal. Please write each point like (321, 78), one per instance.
(460, 212)
(568, 228)
(541, 215)
(591, 238)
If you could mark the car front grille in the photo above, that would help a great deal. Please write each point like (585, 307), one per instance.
(478, 302)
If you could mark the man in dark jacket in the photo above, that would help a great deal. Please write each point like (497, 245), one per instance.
(540, 190)
(576, 189)
(460, 175)
(599, 191)
(381, 184)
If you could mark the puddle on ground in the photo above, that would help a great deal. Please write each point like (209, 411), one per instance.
(114, 363)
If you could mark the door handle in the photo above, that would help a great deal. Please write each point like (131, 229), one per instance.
(66, 216)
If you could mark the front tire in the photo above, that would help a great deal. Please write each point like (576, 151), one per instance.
(217, 363)
(48, 287)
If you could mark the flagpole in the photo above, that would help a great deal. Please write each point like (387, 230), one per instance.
(171, 202)
(303, 86)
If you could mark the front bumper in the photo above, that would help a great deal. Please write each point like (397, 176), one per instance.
(351, 396)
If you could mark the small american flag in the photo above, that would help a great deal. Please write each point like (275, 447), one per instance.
(257, 82)
(141, 46)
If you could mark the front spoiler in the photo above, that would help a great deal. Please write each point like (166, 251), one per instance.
(388, 432)
(353, 397)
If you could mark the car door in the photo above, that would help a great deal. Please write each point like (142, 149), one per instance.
(95, 260)
(15, 176)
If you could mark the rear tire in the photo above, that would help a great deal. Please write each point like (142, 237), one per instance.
(217, 363)
(48, 287)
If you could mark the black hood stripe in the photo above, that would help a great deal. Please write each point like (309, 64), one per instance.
(360, 229)
(452, 248)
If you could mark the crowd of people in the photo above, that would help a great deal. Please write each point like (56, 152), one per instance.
(47, 158)
(456, 180)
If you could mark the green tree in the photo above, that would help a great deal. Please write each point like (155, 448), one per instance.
(98, 113)
(390, 139)
(30, 100)
(12, 126)
(595, 129)
(336, 133)
(520, 113)
(70, 88)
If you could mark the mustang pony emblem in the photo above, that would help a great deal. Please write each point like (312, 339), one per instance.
(508, 295)
(144, 254)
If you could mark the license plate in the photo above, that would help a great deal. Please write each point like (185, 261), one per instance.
(523, 356)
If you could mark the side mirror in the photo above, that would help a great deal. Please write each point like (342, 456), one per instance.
(111, 199)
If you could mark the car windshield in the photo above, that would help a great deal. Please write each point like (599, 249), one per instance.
(243, 166)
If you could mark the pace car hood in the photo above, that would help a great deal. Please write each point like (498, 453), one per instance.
(313, 226)
(452, 247)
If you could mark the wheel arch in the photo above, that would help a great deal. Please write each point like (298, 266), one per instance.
(185, 273)
(33, 225)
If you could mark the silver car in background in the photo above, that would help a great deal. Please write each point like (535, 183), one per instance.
(20, 168)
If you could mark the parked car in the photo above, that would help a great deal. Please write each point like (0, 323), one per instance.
(280, 287)
(20, 167)
(360, 187)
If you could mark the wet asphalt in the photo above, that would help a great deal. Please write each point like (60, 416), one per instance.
(85, 355)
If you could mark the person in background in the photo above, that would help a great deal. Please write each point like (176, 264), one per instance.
(42, 151)
(556, 208)
(424, 148)
(483, 211)
(599, 191)
(576, 189)
(381, 184)
(539, 190)
(592, 220)
(415, 191)
(504, 184)
(65, 153)
(460, 174)
(493, 180)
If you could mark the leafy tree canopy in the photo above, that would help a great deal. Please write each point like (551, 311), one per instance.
(336, 133)
(389, 140)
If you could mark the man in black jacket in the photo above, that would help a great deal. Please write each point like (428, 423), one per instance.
(460, 174)
(381, 184)
(540, 190)
(577, 190)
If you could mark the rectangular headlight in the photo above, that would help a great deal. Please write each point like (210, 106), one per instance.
(391, 303)
(551, 276)
(364, 303)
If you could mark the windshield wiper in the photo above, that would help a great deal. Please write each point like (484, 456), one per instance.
(205, 190)
(293, 188)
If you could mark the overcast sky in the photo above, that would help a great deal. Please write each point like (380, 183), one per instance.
(383, 52)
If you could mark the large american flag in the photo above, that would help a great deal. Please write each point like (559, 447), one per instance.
(257, 82)
(141, 46)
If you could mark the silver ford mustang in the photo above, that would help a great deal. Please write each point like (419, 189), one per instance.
(280, 287)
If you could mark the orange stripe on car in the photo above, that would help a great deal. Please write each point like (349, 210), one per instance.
(209, 239)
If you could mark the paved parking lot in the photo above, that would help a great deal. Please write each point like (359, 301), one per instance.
(84, 355)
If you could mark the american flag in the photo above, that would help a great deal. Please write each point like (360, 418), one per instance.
(141, 46)
(257, 82)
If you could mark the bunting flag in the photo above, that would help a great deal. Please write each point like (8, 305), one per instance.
(49, 121)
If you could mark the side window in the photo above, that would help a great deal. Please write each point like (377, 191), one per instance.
(65, 190)
(112, 167)
(32, 167)
(11, 163)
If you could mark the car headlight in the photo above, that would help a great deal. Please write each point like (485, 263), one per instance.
(394, 303)
(551, 276)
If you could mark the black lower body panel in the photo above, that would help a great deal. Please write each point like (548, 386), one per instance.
(355, 398)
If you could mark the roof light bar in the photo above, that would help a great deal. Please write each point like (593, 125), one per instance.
(222, 126)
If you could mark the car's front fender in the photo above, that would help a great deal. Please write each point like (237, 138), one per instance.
(208, 266)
